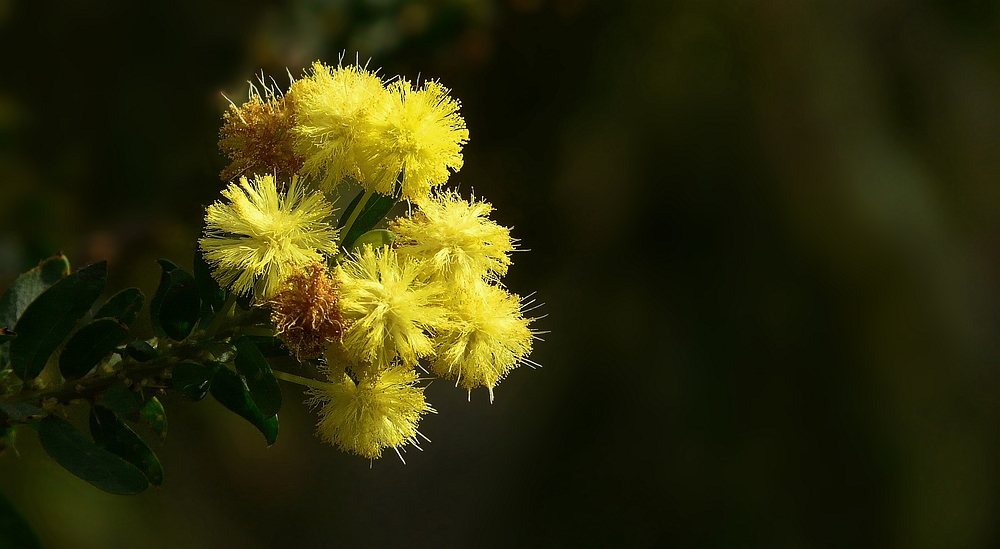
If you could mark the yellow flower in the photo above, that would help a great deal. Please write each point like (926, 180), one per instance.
(417, 133)
(305, 312)
(454, 239)
(332, 106)
(256, 137)
(388, 311)
(379, 411)
(486, 337)
(261, 236)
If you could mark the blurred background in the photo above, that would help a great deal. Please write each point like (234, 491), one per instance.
(765, 233)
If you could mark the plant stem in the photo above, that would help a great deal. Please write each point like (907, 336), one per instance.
(304, 381)
(354, 216)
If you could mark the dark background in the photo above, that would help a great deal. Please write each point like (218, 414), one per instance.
(765, 233)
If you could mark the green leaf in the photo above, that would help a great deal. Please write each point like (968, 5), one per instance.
(86, 460)
(192, 379)
(111, 434)
(375, 238)
(30, 285)
(229, 389)
(89, 345)
(122, 400)
(141, 351)
(21, 412)
(221, 351)
(260, 379)
(375, 209)
(176, 306)
(270, 346)
(152, 412)
(6, 335)
(125, 306)
(15, 532)
(47, 321)
(208, 288)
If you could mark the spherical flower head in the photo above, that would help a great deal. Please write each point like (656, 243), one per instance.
(387, 309)
(332, 106)
(454, 239)
(486, 338)
(417, 133)
(376, 412)
(305, 312)
(260, 236)
(256, 136)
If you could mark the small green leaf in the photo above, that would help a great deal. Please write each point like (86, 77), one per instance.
(260, 379)
(30, 285)
(122, 400)
(89, 345)
(375, 209)
(152, 412)
(15, 532)
(375, 238)
(47, 321)
(86, 460)
(208, 288)
(6, 335)
(113, 435)
(192, 379)
(125, 306)
(141, 351)
(229, 389)
(176, 306)
(21, 412)
(221, 351)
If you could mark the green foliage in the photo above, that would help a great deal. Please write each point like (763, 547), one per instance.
(176, 305)
(125, 306)
(121, 399)
(211, 294)
(229, 388)
(152, 412)
(15, 532)
(88, 461)
(141, 351)
(48, 319)
(260, 380)
(89, 345)
(21, 411)
(30, 285)
(113, 435)
(374, 211)
(192, 379)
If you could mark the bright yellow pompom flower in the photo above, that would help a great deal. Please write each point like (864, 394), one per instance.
(261, 236)
(331, 108)
(454, 239)
(380, 411)
(388, 311)
(487, 337)
(416, 132)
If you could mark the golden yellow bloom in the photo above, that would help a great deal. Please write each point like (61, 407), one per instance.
(486, 337)
(332, 106)
(262, 236)
(416, 132)
(387, 309)
(379, 411)
(454, 239)
(256, 137)
(305, 312)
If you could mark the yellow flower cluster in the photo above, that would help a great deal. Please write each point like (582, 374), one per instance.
(429, 298)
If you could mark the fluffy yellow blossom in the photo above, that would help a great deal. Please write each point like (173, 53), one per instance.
(261, 236)
(332, 106)
(379, 411)
(256, 137)
(417, 133)
(486, 337)
(387, 309)
(305, 312)
(454, 239)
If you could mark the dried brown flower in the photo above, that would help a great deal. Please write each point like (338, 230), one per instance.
(256, 137)
(305, 312)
